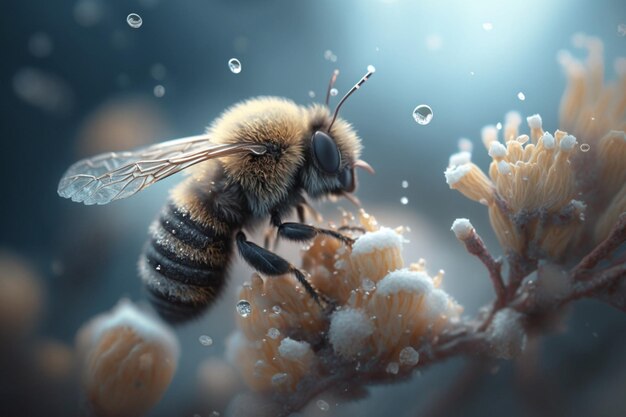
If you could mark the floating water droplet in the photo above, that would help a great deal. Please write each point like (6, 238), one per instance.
(423, 114)
(409, 356)
(215, 414)
(621, 29)
(521, 96)
(134, 20)
(585, 147)
(393, 368)
(273, 333)
(333, 92)
(311, 93)
(405, 184)
(368, 284)
(487, 26)
(404, 201)
(276, 309)
(322, 405)
(499, 126)
(159, 91)
(205, 340)
(371, 68)
(472, 73)
(234, 65)
(328, 54)
(244, 308)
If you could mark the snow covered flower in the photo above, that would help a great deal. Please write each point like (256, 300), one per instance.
(128, 360)
(384, 315)
(546, 191)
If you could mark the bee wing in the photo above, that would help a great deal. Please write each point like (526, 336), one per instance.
(116, 175)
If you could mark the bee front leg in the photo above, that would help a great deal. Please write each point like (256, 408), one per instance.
(269, 263)
(303, 233)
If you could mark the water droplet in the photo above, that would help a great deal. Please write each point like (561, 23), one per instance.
(276, 309)
(328, 54)
(234, 65)
(311, 93)
(487, 26)
(404, 201)
(585, 147)
(472, 73)
(273, 333)
(134, 20)
(215, 414)
(368, 284)
(393, 368)
(405, 184)
(521, 96)
(409, 356)
(244, 308)
(371, 68)
(333, 92)
(158, 267)
(159, 91)
(499, 126)
(322, 405)
(423, 114)
(205, 340)
(621, 29)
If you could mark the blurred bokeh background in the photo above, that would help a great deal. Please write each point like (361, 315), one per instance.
(78, 80)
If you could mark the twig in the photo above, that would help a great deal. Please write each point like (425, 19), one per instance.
(598, 281)
(603, 250)
(476, 246)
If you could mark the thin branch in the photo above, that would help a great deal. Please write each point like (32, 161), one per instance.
(597, 282)
(603, 250)
(476, 246)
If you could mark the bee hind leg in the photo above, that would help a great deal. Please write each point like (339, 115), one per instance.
(300, 232)
(271, 264)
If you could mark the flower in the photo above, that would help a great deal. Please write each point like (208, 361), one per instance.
(384, 315)
(546, 192)
(128, 360)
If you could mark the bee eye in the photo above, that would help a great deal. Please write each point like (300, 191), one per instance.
(325, 152)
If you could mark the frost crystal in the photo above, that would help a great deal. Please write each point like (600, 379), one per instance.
(462, 228)
(405, 280)
(293, 349)
(349, 329)
(506, 334)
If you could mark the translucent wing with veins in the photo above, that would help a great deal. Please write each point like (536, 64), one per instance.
(116, 175)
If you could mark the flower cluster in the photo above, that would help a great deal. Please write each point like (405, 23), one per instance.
(383, 315)
(547, 193)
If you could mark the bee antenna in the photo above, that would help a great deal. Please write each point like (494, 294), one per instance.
(331, 83)
(370, 71)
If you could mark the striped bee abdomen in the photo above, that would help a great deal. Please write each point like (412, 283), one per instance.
(183, 266)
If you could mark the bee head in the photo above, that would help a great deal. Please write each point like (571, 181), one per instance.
(331, 156)
(334, 148)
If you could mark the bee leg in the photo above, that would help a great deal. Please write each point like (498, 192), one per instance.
(303, 233)
(353, 229)
(269, 263)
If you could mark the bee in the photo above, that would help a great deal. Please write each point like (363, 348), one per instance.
(259, 160)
